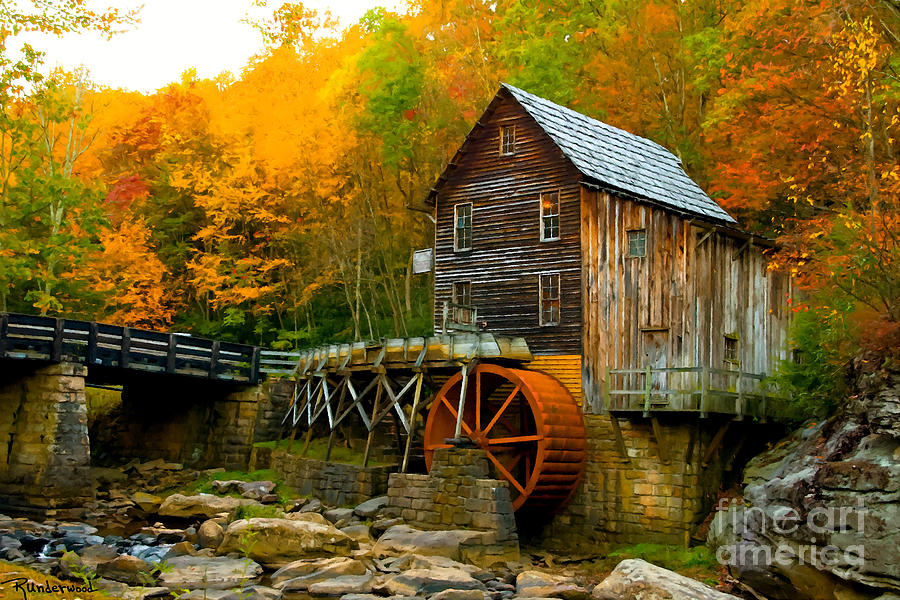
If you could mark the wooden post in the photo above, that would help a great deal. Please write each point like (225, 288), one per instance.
(253, 376)
(461, 406)
(764, 403)
(739, 401)
(607, 398)
(124, 359)
(56, 347)
(412, 422)
(714, 444)
(337, 413)
(704, 391)
(91, 353)
(378, 389)
(4, 331)
(660, 444)
(620, 440)
(170, 355)
(214, 359)
(647, 377)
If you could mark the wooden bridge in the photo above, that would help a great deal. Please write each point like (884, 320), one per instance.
(125, 348)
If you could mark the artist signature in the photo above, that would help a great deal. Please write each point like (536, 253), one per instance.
(29, 586)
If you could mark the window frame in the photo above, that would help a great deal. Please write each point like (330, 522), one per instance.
(454, 299)
(557, 215)
(456, 228)
(628, 236)
(541, 321)
(734, 360)
(502, 149)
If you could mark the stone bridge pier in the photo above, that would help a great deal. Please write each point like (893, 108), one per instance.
(45, 443)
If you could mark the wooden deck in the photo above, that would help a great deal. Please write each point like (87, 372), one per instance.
(28, 337)
(698, 390)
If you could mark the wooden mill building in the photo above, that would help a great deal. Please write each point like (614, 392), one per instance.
(631, 286)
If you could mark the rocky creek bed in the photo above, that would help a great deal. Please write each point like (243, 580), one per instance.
(244, 542)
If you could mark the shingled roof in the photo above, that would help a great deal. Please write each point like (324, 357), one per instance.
(620, 160)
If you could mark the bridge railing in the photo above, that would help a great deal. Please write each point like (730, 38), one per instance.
(100, 344)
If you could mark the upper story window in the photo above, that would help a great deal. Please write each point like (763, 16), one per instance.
(462, 229)
(637, 243)
(507, 140)
(549, 216)
(549, 298)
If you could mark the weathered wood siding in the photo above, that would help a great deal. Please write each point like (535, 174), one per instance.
(507, 256)
(683, 297)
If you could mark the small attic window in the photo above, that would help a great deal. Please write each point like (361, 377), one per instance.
(507, 140)
(731, 349)
(637, 243)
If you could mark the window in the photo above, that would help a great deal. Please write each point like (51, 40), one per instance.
(462, 302)
(462, 231)
(549, 299)
(549, 216)
(637, 243)
(731, 349)
(507, 140)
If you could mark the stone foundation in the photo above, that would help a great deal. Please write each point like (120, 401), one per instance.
(44, 444)
(458, 494)
(642, 499)
(334, 483)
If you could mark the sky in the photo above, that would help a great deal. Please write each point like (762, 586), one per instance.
(175, 35)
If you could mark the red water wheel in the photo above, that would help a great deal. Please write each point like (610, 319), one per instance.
(526, 421)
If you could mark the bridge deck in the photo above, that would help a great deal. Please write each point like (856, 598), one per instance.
(100, 344)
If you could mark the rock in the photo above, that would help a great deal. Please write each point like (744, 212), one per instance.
(112, 588)
(106, 476)
(458, 595)
(826, 491)
(73, 566)
(147, 502)
(297, 575)
(378, 528)
(210, 534)
(127, 569)
(402, 539)
(345, 584)
(359, 533)
(180, 549)
(163, 535)
(276, 542)
(254, 592)
(200, 505)
(338, 514)
(635, 579)
(537, 584)
(370, 508)
(429, 581)
(143, 593)
(364, 597)
(309, 517)
(314, 505)
(206, 594)
(220, 573)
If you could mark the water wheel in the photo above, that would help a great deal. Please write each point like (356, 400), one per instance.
(526, 421)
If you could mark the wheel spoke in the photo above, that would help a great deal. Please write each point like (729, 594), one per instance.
(516, 440)
(477, 400)
(503, 407)
(506, 473)
(453, 412)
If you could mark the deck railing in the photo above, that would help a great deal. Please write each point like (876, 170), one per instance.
(703, 390)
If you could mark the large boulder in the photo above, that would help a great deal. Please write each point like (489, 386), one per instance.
(200, 505)
(370, 508)
(219, 573)
(635, 579)
(298, 575)
(127, 569)
(424, 582)
(537, 584)
(821, 507)
(340, 586)
(403, 539)
(276, 542)
(210, 534)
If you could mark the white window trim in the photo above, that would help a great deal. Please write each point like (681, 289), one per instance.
(514, 144)
(628, 233)
(558, 215)
(541, 298)
(456, 247)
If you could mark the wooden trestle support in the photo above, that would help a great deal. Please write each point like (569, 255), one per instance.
(527, 422)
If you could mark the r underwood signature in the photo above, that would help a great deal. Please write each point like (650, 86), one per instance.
(29, 586)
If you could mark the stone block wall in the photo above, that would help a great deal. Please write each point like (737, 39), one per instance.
(641, 499)
(334, 483)
(273, 405)
(458, 494)
(44, 444)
